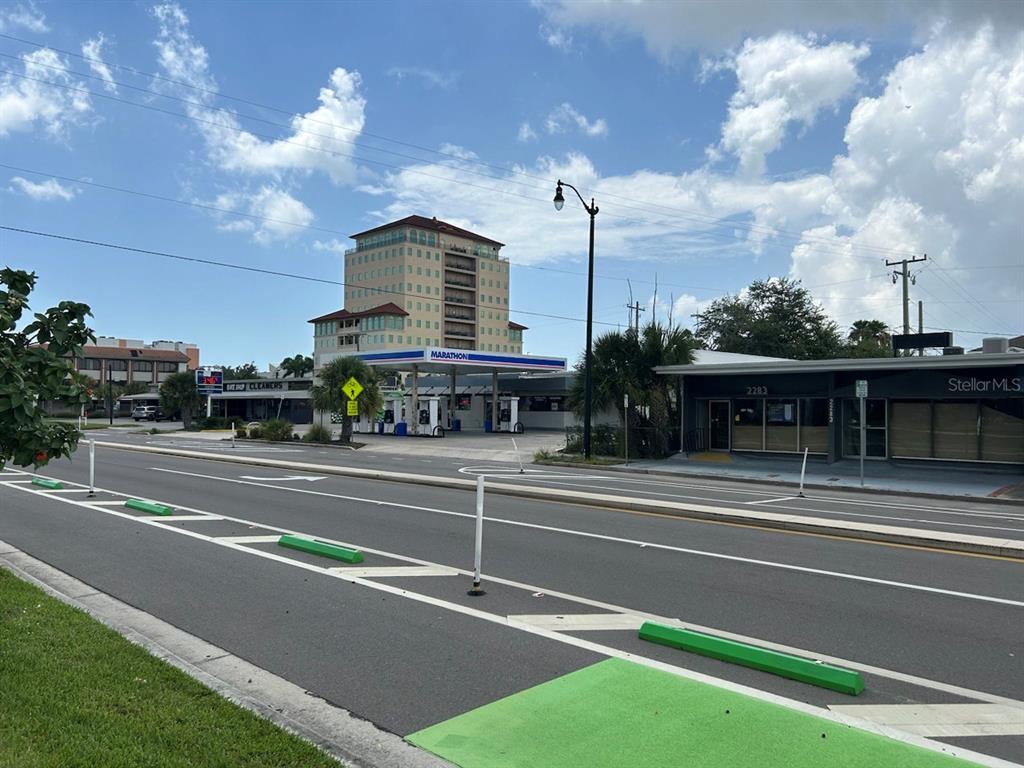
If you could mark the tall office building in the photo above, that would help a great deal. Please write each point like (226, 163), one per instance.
(416, 283)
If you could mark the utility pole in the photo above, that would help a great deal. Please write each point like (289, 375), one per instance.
(920, 323)
(907, 278)
(634, 311)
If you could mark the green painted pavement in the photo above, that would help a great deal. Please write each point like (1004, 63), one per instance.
(616, 713)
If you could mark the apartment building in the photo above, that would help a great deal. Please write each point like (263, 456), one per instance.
(420, 282)
(121, 365)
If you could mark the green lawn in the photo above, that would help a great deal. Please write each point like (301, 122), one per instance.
(75, 693)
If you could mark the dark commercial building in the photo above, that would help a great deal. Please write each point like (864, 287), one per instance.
(953, 408)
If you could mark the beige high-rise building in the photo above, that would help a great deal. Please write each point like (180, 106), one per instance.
(417, 283)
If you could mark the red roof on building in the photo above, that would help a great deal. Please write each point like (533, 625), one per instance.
(343, 314)
(517, 326)
(422, 222)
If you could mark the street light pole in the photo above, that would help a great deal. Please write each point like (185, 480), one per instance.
(592, 209)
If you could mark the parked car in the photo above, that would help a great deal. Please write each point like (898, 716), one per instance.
(148, 413)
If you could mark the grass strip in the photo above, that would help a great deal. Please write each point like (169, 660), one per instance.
(76, 693)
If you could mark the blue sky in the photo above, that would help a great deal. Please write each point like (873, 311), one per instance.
(722, 147)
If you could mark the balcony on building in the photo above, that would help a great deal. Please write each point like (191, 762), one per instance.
(460, 295)
(458, 280)
(460, 330)
(460, 263)
(465, 314)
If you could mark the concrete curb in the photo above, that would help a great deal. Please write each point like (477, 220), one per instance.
(333, 551)
(762, 481)
(840, 528)
(353, 741)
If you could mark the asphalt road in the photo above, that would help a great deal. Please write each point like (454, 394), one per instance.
(409, 651)
(979, 518)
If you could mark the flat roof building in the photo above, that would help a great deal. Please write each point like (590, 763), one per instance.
(954, 408)
(419, 282)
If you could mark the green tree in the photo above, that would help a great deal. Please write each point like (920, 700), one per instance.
(868, 338)
(179, 393)
(297, 366)
(243, 371)
(35, 367)
(774, 318)
(328, 397)
(624, 364)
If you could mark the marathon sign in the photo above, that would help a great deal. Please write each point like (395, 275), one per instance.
(445, 354)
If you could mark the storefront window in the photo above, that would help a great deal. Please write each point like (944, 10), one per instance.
(748, 425)
(910, 429)
(1002, 430)
(956, 427)
(780, 425)
(814, 424)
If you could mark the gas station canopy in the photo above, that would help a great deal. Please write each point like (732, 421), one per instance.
(442, 360)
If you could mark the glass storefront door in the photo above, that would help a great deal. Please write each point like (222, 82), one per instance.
(874, 428)
(718, 425)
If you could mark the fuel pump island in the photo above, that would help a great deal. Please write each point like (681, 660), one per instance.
(410, 412)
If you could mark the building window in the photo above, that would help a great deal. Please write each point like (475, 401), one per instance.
(89, 364)
(117, 365)
(140, 366)
(163, 367)
(748, 425)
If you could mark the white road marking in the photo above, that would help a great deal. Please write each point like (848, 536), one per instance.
(310, 478)
(537, 591)
(579, 622)
(91, 503)
(770, 501)
(397, 571)
(193, 518)
(17, 482)
(621, 540)
(800, 706)
(941, 720)
(247, 539)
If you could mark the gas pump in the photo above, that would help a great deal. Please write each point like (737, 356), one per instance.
(508, 413)
(392, 413)
(429, 415)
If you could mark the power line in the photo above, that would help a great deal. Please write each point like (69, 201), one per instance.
(702, 218)
(644, 206)
(259, 270)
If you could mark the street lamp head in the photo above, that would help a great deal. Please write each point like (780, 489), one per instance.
(559, 200)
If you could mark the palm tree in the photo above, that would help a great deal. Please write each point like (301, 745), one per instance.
(623, 364)
(297, 366)
(327, 394)
(869, 331)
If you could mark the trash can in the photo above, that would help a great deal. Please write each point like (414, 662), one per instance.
(488, 425)
(401, 429)
(456, 425)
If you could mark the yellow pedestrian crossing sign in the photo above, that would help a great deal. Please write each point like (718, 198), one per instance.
(352, 388)
(353, 407)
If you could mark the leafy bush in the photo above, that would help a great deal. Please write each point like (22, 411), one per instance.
(277, 429)
(240, 432)
(256, 433)
(317, 434)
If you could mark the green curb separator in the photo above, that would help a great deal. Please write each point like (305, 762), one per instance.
(148, 506)
(53, 485)
(319, 548)
(782, 664)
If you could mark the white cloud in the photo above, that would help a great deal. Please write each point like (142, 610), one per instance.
(24, 103)
(556, 37)
(565, 115)
(320, 140)
(24, 16)
(272, 214)
(526, 132)
(92, 50)
(685, 307)
(933, 165)
(710, 25)
(781, 80)
(334, 245)
(51, 189)
(430, 77)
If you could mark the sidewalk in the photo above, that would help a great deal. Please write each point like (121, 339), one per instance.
(917, 479)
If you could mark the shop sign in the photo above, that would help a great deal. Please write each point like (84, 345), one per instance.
(994, 386)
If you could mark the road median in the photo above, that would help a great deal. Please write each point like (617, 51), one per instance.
(891, 534)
